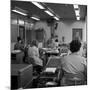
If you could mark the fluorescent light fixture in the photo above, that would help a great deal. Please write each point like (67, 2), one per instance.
(35, 18)
(21, 22)
(49, 13)
(56, 18)
(19, 12)
(78, 18)
(75, 6)
(77, 12)
(38, 5)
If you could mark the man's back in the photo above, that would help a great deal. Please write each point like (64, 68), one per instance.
(73, 63)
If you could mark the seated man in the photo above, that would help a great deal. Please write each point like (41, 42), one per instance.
(73, 65)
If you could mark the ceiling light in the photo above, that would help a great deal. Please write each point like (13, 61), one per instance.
(21, 22)
(78, 18)
(77, 12)
(38, 5)
(19, 12)
(49, 13)
(35, 18)
(75, 6)
(56, 18)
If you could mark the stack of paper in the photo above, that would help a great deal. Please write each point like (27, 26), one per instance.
(16, 51)
(50, 70)
(51, 83)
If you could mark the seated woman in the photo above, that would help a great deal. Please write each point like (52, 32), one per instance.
(19, 45)
(74, 66)
(33, 53)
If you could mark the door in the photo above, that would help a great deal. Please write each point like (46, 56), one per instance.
(22, 32)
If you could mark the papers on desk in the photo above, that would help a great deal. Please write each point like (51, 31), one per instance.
(51, 83)
(40, 45)
(63, 54)
(16, 51)
(46, 49)
(53, 51)
(51, 70)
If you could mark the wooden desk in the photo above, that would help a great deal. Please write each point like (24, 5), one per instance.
(49, 77)
(21, 75)
(50, 51)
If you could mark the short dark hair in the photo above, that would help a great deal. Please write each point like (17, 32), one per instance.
(75, 46)
(34, 43)
(18, 39)
(56, 40)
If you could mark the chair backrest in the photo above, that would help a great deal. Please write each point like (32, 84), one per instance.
(53, 62)
(75, 81)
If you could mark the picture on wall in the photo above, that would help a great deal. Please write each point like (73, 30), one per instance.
(77, 34)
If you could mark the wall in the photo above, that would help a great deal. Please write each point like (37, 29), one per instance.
(45, 27)
(64, 29)
(16, 21)
(14, 28)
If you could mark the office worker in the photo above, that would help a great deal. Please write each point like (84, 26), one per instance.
(56, 43)
(73, 65)
(33, 52)
(19, 45)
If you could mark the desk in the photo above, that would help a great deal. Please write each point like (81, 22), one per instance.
(52, 52)
(53, 62)
(49, 77)
(47, 52)
(17, 56)
(21, 75)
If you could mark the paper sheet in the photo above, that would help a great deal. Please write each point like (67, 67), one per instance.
(50, 70)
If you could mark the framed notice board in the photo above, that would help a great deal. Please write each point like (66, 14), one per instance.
(77, 33)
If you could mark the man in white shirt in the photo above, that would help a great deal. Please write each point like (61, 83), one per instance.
(73, 65)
